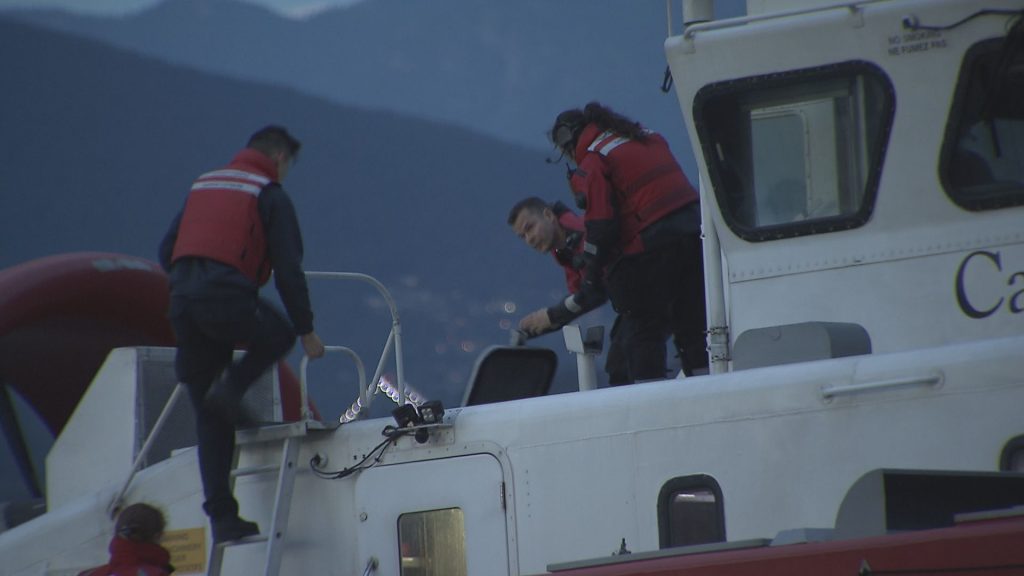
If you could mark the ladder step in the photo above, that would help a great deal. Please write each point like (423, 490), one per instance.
(243, 541)
(291, 434)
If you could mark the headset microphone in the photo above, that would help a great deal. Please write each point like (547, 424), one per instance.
(550, 160)
(562, 136)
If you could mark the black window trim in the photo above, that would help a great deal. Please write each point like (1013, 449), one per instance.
(1010, 449)
(1006, 199)
(675, 485)
(846, 69)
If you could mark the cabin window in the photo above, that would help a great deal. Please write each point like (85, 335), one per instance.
(796, 153)
(982, 161)
(432, 543)
(690, 511)
(1012, 457)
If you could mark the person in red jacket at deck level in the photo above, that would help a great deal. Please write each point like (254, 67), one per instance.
(643, 246)
(135, 549)
(556, 229)
(238, 224)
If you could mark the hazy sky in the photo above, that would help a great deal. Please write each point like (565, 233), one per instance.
(293, 8)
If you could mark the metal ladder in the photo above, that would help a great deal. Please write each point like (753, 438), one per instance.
(290, 435)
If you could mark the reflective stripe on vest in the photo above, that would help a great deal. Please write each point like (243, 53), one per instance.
(231, 180)
(221, 222)
(606, 142)
(650, 190)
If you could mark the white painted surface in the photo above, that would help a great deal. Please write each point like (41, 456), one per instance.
(582, 471)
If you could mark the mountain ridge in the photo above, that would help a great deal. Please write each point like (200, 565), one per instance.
(107, 143)
(502, 69)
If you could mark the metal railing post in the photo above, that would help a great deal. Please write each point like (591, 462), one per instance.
(115, 504)
(394, 337)
(304, 412)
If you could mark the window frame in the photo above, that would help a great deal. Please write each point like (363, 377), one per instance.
(974, 203)
(1011, 450)
(679, 484)
(712, 95)
(425, 552)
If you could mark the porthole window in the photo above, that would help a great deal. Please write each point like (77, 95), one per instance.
(432, 543)
(796, 153)
(690, 511)
(1012, 457)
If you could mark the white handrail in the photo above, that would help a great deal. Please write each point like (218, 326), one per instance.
(692, 29)
(934, 379)
(393, 338)
(372, 385)
(304, 411)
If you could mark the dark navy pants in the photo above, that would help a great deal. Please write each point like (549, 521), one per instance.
(208, 332)
(657, 294)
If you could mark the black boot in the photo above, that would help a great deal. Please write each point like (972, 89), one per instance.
(232, 528)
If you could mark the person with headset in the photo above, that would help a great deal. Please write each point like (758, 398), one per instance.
(556, 229)
(642, 237)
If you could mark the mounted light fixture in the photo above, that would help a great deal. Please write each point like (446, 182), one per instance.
(432, 412)
(406, 416)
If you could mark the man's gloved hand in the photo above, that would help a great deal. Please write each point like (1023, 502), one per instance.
(536, 322)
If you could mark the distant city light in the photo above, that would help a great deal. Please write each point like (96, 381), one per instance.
(510, 307)
(468, 346)
(505, 324)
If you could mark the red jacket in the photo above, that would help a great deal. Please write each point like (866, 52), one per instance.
(221, 221)
(131, 558)
(627, 185)
(582, 298)
(572, 224)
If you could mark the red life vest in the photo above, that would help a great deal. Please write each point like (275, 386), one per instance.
(221, 220)
(131, 558)
(572, 223)
(647, 181)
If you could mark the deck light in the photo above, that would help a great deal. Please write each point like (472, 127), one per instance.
(406, 416)
(432, 412)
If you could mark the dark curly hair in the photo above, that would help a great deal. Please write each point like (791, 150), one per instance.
(569, 124)
(140, 522)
